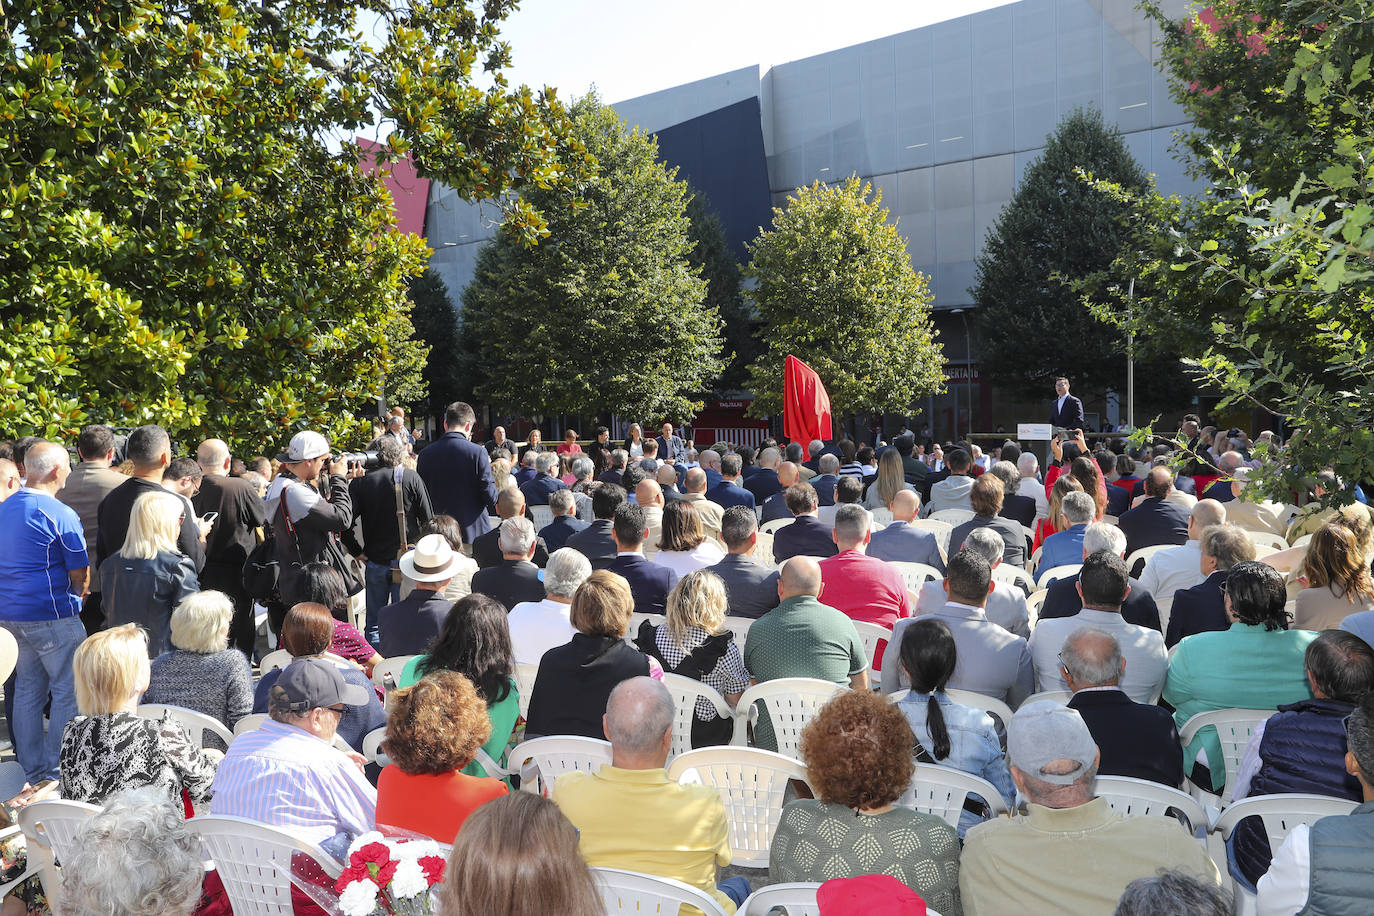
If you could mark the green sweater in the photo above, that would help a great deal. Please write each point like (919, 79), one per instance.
(502, 715)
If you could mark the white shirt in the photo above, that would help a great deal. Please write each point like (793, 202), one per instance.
(1170, 570)
(1147, 663)
(1282, 891)
(1033, 488)
(681, 562)
(536, 627)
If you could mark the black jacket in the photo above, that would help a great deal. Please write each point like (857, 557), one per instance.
(240, 513)
(113, 524)
(1135, 740)
(574, 682)
(311, 534)
(510, 583)
(1199, 609)
(374, 503)
(1062, 600)
(595, 543)
(486, 550)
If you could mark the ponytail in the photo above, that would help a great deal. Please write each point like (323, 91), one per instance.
(929, 656)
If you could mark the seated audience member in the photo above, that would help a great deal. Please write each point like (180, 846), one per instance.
(694, 643)
(1062, 598)
(1033, 864)
(848, 492)
(574, 680)
(202, 672)
(618, 459)
(857, 752)
(666, 475)
(108, 747)
(1065, 548)
(888, 482)
(517, 578)
(694, 491)
(985, 496)
(953, 491)
(1201, 609)
(775, 506)
(1337, 580)
(565, 522)
(763, 482)
(525, 470)
(806, 536)
(137, 857)
(596, 542)
(464, 567)
(992, 661)
(827, 476)
(1256, 663)
(648, 582)
(863, 587)
(305, 634)
(1136, 739)
(1302, 747)
(434, 730)
(408, 625)
(683, 546)
(475, 642)
(1055, 521)
(1006, 605)
(710, 464)
(948, 733)
(1019, 509)
(518, 856)
(730, 491)
(321, 583)
(630, 815)
(751, 590)
(1102, 587)
(1314, 514)
(648, 495)
(545, 481)
(1172, 893)
(1168, 571)
(538, 626)
(1326, 868)
(1028, 466)
(902, 543)
(486, 548)
(148, 575)
(286, 773)
(1258, 514)
(1156, 520)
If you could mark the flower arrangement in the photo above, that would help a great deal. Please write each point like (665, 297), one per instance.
(389, 875)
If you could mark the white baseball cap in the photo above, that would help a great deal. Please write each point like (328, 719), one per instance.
(305, 446)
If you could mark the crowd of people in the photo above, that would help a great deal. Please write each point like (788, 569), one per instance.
(137, 576)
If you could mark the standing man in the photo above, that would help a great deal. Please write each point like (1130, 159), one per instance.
(232, 537)
(43, 576)
(150, 450)
(1067, 411)
(457, 473)
(89, 484)
(671, 448)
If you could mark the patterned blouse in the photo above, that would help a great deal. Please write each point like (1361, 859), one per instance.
(728, 676)
(103, 755)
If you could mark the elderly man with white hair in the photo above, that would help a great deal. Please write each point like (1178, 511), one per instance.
(517, 578)
(544, 481)
(1062, 597)
(1028, 466)
(538, 626)
(565, 521)
(863, 587)
(1065, 548)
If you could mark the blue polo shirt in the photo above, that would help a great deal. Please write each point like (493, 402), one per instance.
(40, 541)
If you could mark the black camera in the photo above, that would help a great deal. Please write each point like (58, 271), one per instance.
(365, 460)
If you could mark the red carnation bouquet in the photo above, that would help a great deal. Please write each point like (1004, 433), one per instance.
(390, 875)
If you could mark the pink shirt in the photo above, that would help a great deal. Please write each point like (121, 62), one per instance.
(864, 588)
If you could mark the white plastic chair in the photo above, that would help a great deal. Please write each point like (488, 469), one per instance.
(277, 659)
(686, 692)
(372, 747)
(1044, 578)
(763, 551)
(1014, 575)
(543, 516)
(195, 723)
(1303, 541)
(872, 634)
(941, 530)
(1145, 553)
(772, 527)
(941, 790)
(1131, 797)
(524, 683)
(1234, 728)
(254, 862)
(628, 893)
(991, 705)
(1034, 602)
(50, 829)
(1111, 520)
(542, 760)
(391, 666)
(915, 575)
(1061, 697)
(739, 626)
(881, 518)
(752, 784)
(791, 702)
(795, 899)
(1268, 539)
(1034, 560)
(952, 517)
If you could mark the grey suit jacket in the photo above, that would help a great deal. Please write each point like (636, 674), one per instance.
(84, 490)
(992, 661)
(1006, 605)
(750, 590)
(901, 543)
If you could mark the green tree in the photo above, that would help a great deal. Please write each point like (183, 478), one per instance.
(712, 259)
(184, 238)
(436, 323)
(607, 312)
(837, 290)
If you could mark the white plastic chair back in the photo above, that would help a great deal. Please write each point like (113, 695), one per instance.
(1303, 541)
(1111, 520)
(195, 723)
(543, 516)
(772, 527)
(991, 705)
(524, 683)
(1234, 728)
(391, 666)
(686, 692)
(941, 790)
(50, 829)
(752, 784)
(881, 518)
(1268, 539)
(791, 702)
(915, 575)
(763, 551)
(1034, 560)
(1145, 553)
(952, 517)
(1045, 577)
(872, 634)
(941, 530)
(740, 627)
(372, 747)
(249, 722)
(636, 620)
(542, 760)
(1135, 797)
(795, 899)
(1034, 602)
(278, 659)
(1280, 814)
(254, 862)
(1014, 575)
(628, 893)
(1061, 697)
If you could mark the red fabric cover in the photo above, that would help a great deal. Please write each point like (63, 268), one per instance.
(806, 406)
(868, 895)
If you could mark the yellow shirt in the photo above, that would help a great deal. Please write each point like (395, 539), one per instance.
(640, 820)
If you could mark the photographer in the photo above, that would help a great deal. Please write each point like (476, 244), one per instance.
(375, 498)
(306, 523)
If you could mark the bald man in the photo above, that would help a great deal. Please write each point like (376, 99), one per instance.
(764, 482)
(900, 542)
(1157, 519)
(775, 506)
(231, 537)
(666, 475)
(486, 549)
(802, 637)
(710, 512)
(1168, 571)
(649, 496)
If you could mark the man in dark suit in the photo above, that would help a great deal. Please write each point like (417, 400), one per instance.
(901, 543)
(596, 542)
(525, 472)
(775, 506)
(824, 482)
(985, 497)
(729, 492)
(913, 468)
(764, 483)
(565, 522)
(750, 589)
(1156, 520)
(408, 626)
(1063, 600)
(649, 582)
(1136, 740)
(1202, 608)
(617, 459)
(806, 536)
(457, 473)
(666, 475)
(543, 483)
(671, 448)
(486, 550)
(516, 579)
(709, 461)
(1067, 411)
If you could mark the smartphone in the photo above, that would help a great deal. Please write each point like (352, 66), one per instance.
(209, 517)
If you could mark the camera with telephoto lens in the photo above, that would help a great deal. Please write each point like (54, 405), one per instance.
(365, 460)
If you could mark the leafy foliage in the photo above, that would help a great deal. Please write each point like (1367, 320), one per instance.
(607, 311)
(436, 323)
(712, 259)
(837, 290)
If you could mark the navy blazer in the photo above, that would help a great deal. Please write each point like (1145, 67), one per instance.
(750, 590)
(727, 494)
(457, 474)
(901, 543)
(1200, 609)
(510, 583)
(1071, 417)
(1062, 600)
(556, 533)
(1220, 490)
(486, 550)
(1136, 740)
(649, 582)
(537, 491)
(671, 450)
(1154, 521)
(1020, 509)
(1118, 500)
(594, 542)
(775, 507)
(825, 488)
(806, 536)
(763, 483)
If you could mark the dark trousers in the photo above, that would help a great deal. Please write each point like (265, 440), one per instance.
(92, 614)
(229, 579)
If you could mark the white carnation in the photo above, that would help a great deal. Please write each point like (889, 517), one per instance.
(409, 880)
(415, 850)
(371, 836)
(359, 899)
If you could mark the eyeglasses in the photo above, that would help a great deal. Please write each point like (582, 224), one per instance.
(338, 709)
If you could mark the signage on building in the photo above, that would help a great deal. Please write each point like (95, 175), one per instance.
(959, 374)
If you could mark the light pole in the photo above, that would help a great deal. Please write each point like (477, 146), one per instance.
(1130, 361)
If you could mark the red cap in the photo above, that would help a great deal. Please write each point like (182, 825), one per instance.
(869, 895)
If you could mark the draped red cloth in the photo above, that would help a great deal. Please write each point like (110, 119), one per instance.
(806, 406)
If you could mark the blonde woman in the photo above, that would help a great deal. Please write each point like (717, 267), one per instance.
(695, 643)
(890, 481)
(148, 576)
(500, 472)
(108, 748)
(683, 546)
(201, 672)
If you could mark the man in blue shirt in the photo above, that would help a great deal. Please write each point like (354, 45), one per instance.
(44, 571)
(1066, 547)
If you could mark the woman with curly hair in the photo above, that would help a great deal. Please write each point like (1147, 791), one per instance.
(433, 730)
(858, 759)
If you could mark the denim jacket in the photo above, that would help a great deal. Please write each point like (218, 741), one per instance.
(973, 744)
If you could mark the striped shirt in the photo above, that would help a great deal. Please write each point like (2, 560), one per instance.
(286, 777)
